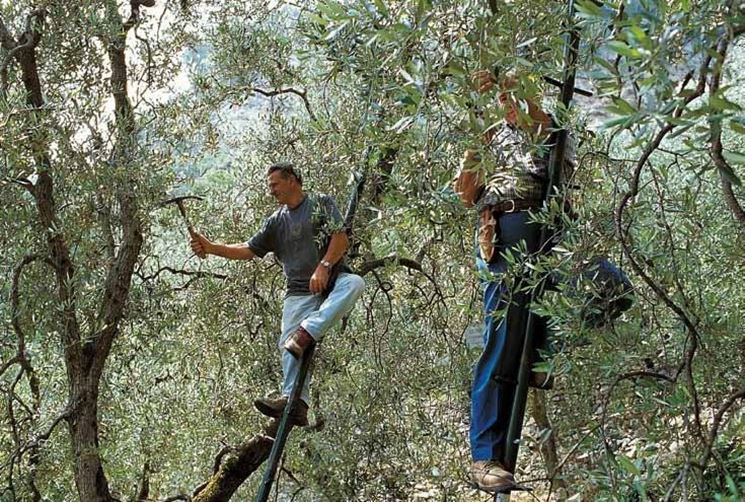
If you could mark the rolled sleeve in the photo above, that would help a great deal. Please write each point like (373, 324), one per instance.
(263, 241)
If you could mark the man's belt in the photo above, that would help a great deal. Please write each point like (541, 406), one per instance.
(489, 231)
(512, 206)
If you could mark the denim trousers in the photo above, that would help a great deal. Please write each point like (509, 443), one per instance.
(316, 314)
(495, 373)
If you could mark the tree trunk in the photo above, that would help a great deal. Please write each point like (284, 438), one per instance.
(85, 357)
(90, 479)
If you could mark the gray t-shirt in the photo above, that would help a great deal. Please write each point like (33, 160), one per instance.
(299, 238)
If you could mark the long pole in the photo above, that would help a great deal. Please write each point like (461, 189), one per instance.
(556, 160)
(283, 431)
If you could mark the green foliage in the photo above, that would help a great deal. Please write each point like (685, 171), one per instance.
(223, 89)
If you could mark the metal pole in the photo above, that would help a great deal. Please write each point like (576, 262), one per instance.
(284, 428)
(556, 159)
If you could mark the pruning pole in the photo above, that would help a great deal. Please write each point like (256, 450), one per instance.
(514, 431)
(283, 431)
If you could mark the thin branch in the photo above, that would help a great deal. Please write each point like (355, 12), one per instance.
(288, 90)
(631, 375)
(715, 124)
(740, 394)
(15, 301)
(175, 271)
(44, 436)
(371, 265)
(9, 363)
(621, 232)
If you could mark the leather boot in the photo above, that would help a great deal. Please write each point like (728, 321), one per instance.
(274, 407)
(298, 342)
(491, 476)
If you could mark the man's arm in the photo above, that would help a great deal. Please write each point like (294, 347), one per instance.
(337, 247)
(469, 181)
(202, 246)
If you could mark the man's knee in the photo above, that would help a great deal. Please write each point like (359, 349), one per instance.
(356, 285)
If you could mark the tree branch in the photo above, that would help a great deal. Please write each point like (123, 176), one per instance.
(620, 378)
(43, 192)
(175, 271)
(143, 490)
(244, 459)
(9, 363)
(6, 38)
(371, 265)
(621, 233)
(715, 125)
(22, 357)
(180, 496)
(718, 416)
(288, 90)
(44, 436)
(119, 278)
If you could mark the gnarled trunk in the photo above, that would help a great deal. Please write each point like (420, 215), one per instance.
(90, 479)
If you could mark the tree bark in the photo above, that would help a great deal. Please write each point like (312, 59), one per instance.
(90, 479)
(85, 358)
(234, 468)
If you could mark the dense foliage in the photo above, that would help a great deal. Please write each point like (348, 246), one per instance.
(127, 364)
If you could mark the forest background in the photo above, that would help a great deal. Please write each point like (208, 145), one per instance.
(128, 367)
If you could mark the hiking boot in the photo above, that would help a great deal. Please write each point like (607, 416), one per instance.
(491, 476)
(274, 407)
(541, 380)
(298, 342)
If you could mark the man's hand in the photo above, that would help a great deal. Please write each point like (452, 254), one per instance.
(200, 245)
(319, 280)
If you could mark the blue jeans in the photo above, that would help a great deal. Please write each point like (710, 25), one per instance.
(495, 373)
(316, 315)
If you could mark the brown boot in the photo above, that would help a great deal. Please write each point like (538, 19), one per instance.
(274, 407)
(298, 342)
(491, 476)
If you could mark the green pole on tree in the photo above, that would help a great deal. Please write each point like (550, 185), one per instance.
(514, 431)
(284, 429)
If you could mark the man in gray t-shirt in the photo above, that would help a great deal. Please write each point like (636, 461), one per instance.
(307, 235)
(299, 238)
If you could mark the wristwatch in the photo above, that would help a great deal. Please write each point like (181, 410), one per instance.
(326, 264)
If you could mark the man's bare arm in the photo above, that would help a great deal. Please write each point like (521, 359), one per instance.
(337, 247)
(202, 246)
